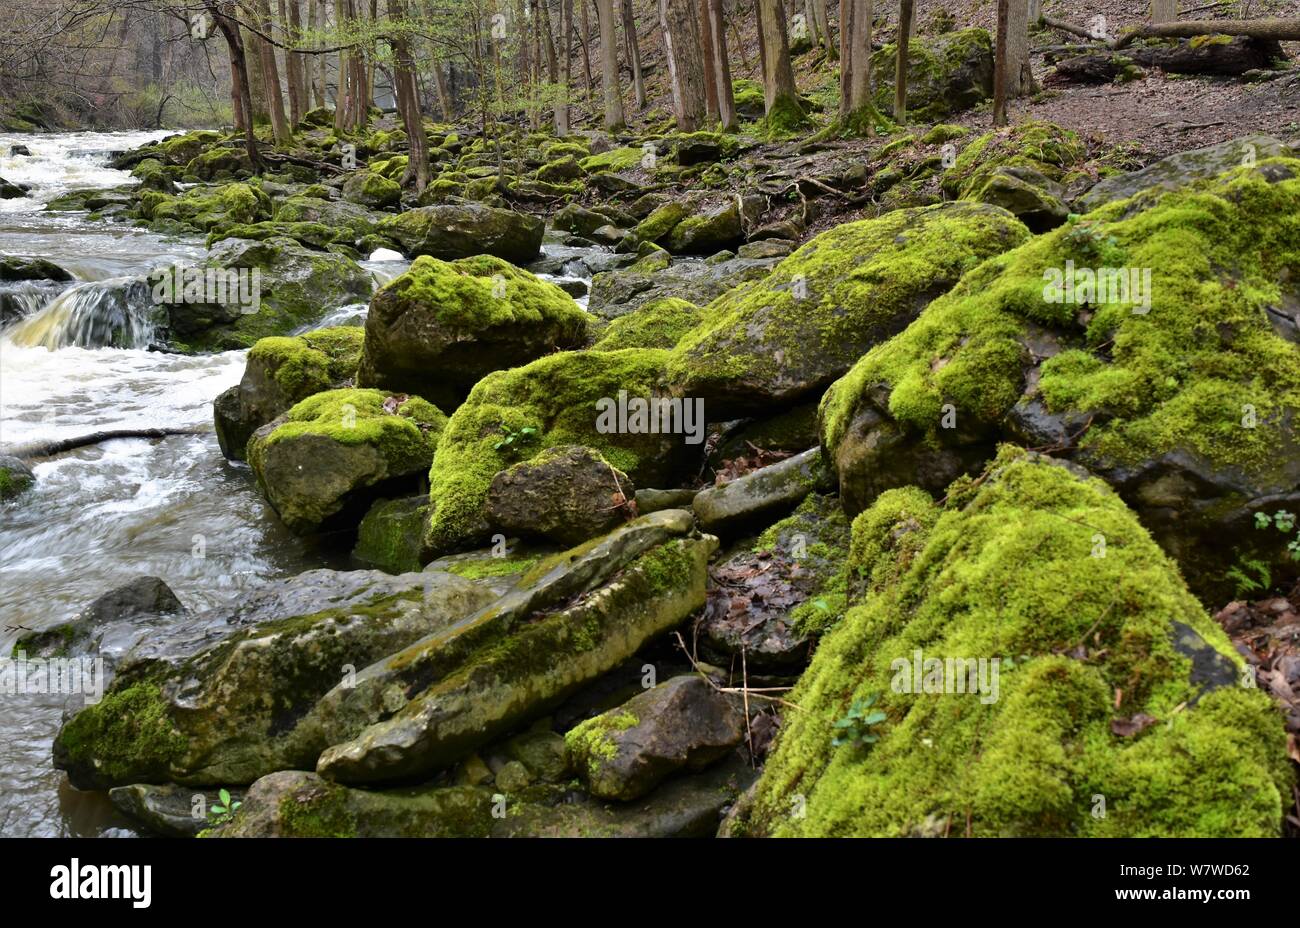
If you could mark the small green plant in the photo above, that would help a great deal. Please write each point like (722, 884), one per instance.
(221, 810)
(1089, 241)
(856, 727)
(515, 438)
(1284, 522)
(1250, 576)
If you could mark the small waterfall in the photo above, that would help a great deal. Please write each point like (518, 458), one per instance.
(26, 298)
(117, 313)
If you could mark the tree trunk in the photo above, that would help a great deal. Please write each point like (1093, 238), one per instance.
(614, 116)
(1163, 11)
(586, 49)
(722, 66)
(685, 59)
(822, 19)
(905, 9)
(1001, 77)
(780, 95)
(566, 67)
(710, 63)
(408, 102)
(239, 76)
(633, 54)
(293, 62)
(1020, 76)
(322, 77)
(271, 77)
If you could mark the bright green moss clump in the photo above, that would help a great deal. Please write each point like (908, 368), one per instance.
(1179, 376)
(126, 734)
(658, 324)
(556, 397)
(406, 433)
(1007, 570)
(616, 159)
(310, 363)
(1042, 146)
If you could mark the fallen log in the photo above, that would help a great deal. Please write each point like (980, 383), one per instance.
(1272, 28)
(45, 449)
(1231, 58)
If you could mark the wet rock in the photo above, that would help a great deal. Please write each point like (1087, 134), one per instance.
(15, 477)
(324, 462)
(452, 231)
(169, 810)
(10, 191)
(682, 724)
(441, 327)
(142, 598)
(760, 495)
(389, 536)
(425, 707)
(543, 753)
(567, 493)
(13, 267)
(226, 705)
(576, 219)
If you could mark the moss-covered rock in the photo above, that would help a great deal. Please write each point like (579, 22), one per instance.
(295, 286)
(1180, 387)
(681, 724)
(350, 221)
(1041, 147)
(230, 713)
(15, 477)
(450, 231)
(658, 324)
(790, 335)
(390, 534)
(513, 415)
(1088, 647)
(567, 494)
(506, 667)
(219, 164)
(324, 461)
(205, 209)
(441, 327)
(946, 73)
(708, 231)
(280, 372)
(616, 159)
(372, 190)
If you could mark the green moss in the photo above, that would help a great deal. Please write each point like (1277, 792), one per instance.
(1178, 376)
(747, 94)
(323, 814)
(313, 362)
(485, 568)
(944, 132)
(128, 733)
(663, 220)
(555, 395)
(207, 208)
(616, 159)
(1083, 642)
(590, 741)
(658, 324)
(389, 535)
(12, 483)
(1043, 146)
(484, 292)
(405, 436)
(815, 539)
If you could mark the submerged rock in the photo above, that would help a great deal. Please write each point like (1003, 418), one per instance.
(328, 457)
(895, 737)
(681, 724)
(15, 477)
(142, 598)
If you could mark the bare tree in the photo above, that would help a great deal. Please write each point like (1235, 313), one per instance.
(614, 116)
(1163, 11)
(1001, 64)
(685, 57)
(905, 10)
(855, 65)
(633, 54)
(780, 94)
(721, 65)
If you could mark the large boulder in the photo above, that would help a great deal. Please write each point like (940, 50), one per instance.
(659, 277)
(204, 209)
(1177, 381)
(681, 724)
(441, 327)
(569, 398)
(1002, 679)
(323, 462)
(293, 286)
(371, 190)
(282, 371)
(228, 712)
(946, 73)
(460, 230)
(658, 324)
(787, 337)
